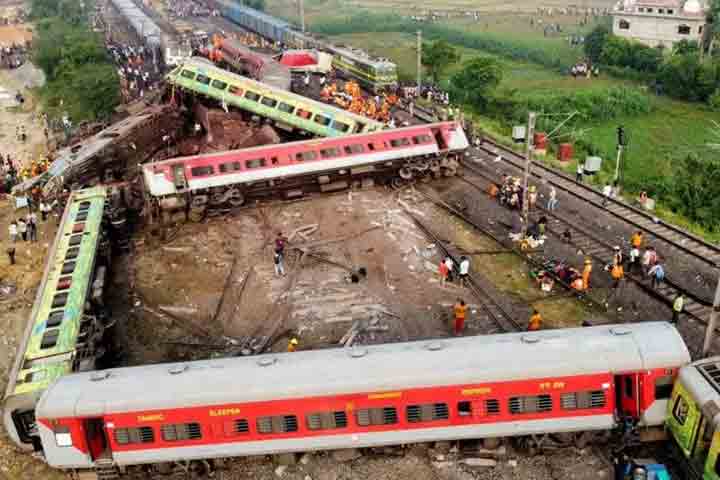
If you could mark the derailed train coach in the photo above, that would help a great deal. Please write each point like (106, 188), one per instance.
(366, 396)
(68, 320)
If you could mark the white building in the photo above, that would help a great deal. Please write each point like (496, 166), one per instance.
(659, 22)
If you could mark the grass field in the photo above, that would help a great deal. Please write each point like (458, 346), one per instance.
(672, 129)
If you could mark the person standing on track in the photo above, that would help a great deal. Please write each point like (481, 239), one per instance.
(634, 259)
(649, 259)
(579, 172)
(617, 273)
(535, 322)
(460, 310)
(637, 239)
(657, 275)
(607, 192)
(464, 270)
(552, 199)
(587, 270)
(13, 231)
(443, 272)
(450, 265)
(678, 306)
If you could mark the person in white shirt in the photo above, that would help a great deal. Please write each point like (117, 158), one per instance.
(450, 264)
(13, 232)
(464, 270)
(606, 191)
(552, 199)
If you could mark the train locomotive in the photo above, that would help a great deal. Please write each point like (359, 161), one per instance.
(227, 178)
(375, 74)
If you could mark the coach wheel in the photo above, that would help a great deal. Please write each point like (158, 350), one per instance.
(435, 166)
(236, 199)
(397, 183)
(197, 215)
(405, 173)
(426, 178)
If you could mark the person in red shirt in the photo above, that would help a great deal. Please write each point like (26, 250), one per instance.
(443, 271)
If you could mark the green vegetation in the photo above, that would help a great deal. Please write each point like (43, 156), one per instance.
(81, 79)
(437, 57)
(476, 81)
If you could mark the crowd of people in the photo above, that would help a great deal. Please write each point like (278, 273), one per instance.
(13, 56)
(188, 8)
(138, 70)
(349, 96)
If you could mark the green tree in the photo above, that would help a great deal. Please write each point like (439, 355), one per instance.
(595, 42)
(616, 51)
(686, 47)
(476, 80)
(696, 190)
(686, 77)
(646, 59)
(437, 57)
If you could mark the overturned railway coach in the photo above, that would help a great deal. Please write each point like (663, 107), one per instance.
(328, 164)
(66, 326)
(576, 381)
(286, 109)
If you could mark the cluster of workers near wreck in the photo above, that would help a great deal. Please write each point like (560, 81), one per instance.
(647, 264)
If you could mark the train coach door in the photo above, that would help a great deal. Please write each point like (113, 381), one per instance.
(440, 139)
(179, 176)
(96, 438)
(627, 390)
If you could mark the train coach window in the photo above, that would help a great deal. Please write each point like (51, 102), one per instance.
(68, 268)
(181, 431)
(530, 404)
(72, 253)
(680, 410)
(235, 90)
(75, 240)
(320, 120)
(64, 283)
(492, 406)
(427, 412)
(187, 74)
(399, 142)
(202, 171)
(269, 102)
(256, 163)
(277, 424)
(84, 206)
(353, 149)
(340, 127)
(81, 216)
(59, 300)
(63, 437)
(326, 420)
(54, 319)
(50, 338)
(376, 416)
(287, 108)
(306, 156)
(202, 79)
(219, 84)
(420, 139)
(329, 152)
(241, 426)
(464, 408)
(230, 167)
(252, 96)
(303, 113)
(124, 436)
(582, 400)
(663, 387)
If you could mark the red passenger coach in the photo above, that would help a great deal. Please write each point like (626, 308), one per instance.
(331, 163)
(570, 380)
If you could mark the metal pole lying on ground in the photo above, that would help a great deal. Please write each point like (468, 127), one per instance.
(712, 324)
(526, 173)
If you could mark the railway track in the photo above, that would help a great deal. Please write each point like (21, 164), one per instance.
(503, 319)
(601, 250)
(670, 235)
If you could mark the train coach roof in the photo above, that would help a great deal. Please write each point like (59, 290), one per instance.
(387, 367)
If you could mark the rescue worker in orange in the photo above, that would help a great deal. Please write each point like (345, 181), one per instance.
(587, 270)
(460, 310)
(637, 239)
(535, 321)
(617, 274)
(292, 344)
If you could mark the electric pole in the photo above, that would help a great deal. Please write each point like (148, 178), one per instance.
(301, 5)
(526, 174)
(419, 60)
(712, 324)
(621, 142)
